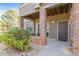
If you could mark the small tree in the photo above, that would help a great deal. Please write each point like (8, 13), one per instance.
(9, 19)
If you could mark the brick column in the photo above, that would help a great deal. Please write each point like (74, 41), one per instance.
(21, 22)
(74, 27)
(42, 25)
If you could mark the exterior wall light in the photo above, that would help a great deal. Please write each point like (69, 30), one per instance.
(53, 22)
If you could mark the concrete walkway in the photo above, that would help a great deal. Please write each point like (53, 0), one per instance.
(55, 48)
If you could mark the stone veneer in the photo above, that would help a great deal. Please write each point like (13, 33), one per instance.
(74, 27)
(42, 23)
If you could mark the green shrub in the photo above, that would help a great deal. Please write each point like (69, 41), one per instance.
(17, 38)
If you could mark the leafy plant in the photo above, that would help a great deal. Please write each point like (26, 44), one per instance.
(17, 38)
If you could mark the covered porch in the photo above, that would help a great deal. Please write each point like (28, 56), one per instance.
(56, 15)
(53, 15)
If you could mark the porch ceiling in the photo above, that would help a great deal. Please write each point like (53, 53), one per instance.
(32, 15)
(53, 10)
(59, 9)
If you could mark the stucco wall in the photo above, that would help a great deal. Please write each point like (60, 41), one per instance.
(53, 30)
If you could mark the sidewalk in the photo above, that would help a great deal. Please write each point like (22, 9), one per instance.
(55, 48)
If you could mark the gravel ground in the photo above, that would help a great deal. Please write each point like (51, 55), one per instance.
(5, 51)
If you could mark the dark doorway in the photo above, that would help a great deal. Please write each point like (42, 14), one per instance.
(63, 30)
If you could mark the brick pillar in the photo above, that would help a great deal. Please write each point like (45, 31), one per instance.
(42, 25)
(74, 27)
(21, 22)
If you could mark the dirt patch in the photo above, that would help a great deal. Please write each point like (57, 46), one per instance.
(6, 51)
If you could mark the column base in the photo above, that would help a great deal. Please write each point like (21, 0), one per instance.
(75, 47)
(43, 41)
(75, 51)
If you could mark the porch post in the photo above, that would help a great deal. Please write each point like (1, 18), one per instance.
(74, 27)
(21, 22)
(42, 24)
(34, 27)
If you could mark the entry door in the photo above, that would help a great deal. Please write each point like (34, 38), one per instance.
(63, 30)
(53, 30)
